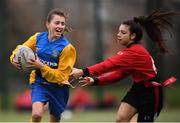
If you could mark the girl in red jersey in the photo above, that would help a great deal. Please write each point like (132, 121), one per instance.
(145, 95)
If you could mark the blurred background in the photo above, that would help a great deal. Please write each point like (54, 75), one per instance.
(95, 24)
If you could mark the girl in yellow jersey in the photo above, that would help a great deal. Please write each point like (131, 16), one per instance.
(55, 60)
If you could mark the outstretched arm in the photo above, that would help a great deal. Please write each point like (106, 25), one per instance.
(111, 77)
(105, 79)
(119, 61)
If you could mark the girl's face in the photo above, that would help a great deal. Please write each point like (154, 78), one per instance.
(124, 35)
(56, 27)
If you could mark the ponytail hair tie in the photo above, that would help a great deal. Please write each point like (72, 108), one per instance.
(140, 20)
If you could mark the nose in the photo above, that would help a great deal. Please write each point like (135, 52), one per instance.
(60, 26)
(118, 34)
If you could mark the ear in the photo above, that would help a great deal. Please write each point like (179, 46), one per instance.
(47, 24)
(133, 36)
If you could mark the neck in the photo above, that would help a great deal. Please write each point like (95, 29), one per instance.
(51, 39)
(130, 43)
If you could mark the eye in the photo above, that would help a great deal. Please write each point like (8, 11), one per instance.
(57, 22)
(62, 23)
(123, 32)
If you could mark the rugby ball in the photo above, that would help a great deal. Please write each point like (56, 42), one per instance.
(23, 55)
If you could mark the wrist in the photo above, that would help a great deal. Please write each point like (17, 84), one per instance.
(85, 72)
(40, 65)
(96, 80)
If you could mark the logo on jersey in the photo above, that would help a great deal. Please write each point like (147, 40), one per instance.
(55, 53)
(120, 53)
(50, 64)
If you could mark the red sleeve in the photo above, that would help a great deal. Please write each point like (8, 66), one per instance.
(111, 77)
(122, 60)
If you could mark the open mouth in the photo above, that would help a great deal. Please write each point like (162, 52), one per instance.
(58, 30)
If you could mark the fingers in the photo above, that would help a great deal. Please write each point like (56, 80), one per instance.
(33, 60)
(16, 64)
(29, 66)
(72, 79)
(34, 64)
(76, 73)
(31, 63)
(71, 74)
(81, 81)
(86, 81)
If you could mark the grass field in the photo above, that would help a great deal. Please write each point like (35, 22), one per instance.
(87, 116)
(170, 112)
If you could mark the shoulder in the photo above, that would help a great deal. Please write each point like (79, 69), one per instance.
(34, 36)
(69, 51)
(70, 47)
(41, 34)
(137, 49)
(63, 41)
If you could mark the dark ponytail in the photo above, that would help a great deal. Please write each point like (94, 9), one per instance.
(153, 24)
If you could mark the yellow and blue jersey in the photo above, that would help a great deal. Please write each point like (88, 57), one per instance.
(58, 57)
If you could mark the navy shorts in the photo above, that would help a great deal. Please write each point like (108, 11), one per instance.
(147, 100)
(56, 95)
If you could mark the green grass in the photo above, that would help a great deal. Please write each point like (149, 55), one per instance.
(170, 113)
(86, 116)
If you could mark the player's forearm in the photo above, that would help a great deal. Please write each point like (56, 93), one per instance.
(14, 53)
(99, 68)
(54, 75)
(111, 77)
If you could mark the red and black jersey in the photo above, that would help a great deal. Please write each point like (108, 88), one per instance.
(134, 60)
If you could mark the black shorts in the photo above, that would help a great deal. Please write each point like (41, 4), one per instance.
(147, 100)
